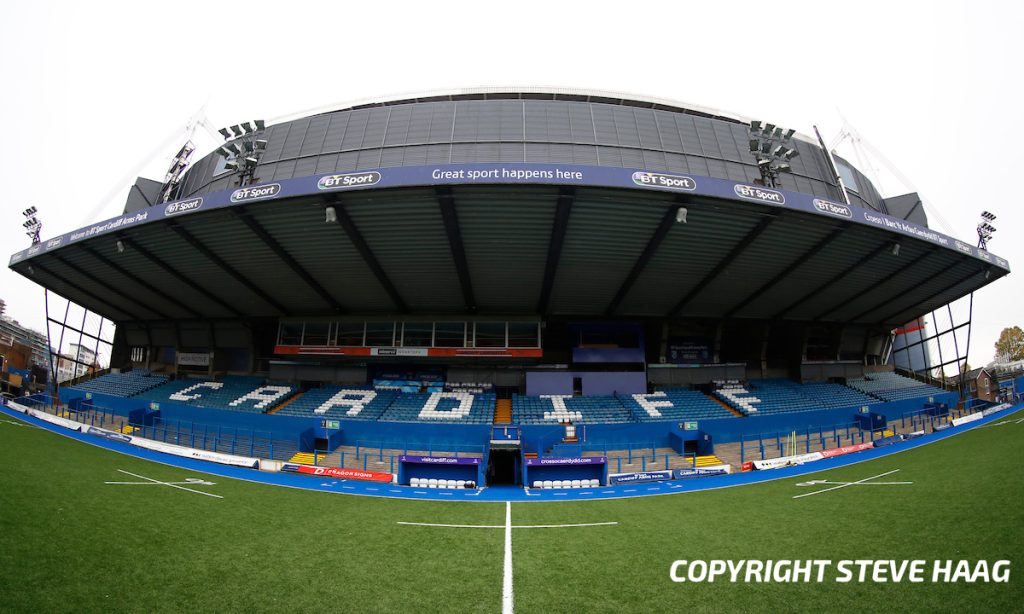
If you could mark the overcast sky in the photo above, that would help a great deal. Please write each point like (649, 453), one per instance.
(91, 90)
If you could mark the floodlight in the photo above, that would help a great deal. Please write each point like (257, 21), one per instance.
(789, 134)
(247, 127)
(331, 215)
(260, 124)
(777, 134)
(233, 148)
(895, 249)
(186, 150)
(755, 126)
(247, 145)
(225, 133)
(120, 247)
(754, 145)
(784, 168)
(224, 151)
(985, 214)
(252, 160)
(765, 146)
(237, 130)
(764, 162)
(769, 128)
(778, 150)
(792, 153)
(261, 144)
(29, 212)
(681, 215)
(231, 165)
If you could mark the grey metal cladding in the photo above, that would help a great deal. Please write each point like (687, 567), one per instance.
(522, 128)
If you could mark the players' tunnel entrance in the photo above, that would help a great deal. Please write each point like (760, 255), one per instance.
(503, 468)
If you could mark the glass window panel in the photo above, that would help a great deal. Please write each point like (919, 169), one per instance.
(316, 333)
(291, 333)
(417, 334)
(350, 333)
(523, 335)
(449, 334)
(490, 335)
(380, 334)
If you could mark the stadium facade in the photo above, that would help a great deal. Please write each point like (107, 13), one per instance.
(533, 242)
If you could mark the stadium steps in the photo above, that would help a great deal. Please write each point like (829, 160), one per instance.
(303, 458)
(503, 411)
(732, 410)
(708, 461)
(289, 400)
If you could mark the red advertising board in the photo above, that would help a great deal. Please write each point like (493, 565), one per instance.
(339, 472)
(847, 449)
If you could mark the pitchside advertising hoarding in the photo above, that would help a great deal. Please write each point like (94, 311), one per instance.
(521, 173)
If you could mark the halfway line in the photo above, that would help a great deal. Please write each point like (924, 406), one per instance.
(142, 477)
(818, 492)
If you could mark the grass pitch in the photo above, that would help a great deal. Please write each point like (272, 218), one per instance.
(70, 542)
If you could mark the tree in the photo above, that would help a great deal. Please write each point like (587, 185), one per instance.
(1010, 346)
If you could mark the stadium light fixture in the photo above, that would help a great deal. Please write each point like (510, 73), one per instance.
(331, 215)
(32, 225)
(247, 127)
(985, 229)
(225, 133)
(237, 130)
(231, 165)
(895, 249)
(681, 215)
(769, 145)
(244, 147)
(120, 246)
(260, 124)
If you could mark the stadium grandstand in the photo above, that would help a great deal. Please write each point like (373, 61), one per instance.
(503, 277)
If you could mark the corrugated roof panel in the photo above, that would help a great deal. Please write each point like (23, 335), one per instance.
(232, 240)
(324, 250)
(405, 230)
(506, 240)
(606, 234)
(688, 253)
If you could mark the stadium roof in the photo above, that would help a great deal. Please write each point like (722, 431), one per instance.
(417, 244)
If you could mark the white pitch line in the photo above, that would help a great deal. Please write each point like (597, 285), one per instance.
(506, 586)
(142, 477)
(818, 492)
(501, 526)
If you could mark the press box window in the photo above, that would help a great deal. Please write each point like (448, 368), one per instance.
(350, 334)
(380, 334)
(417, 334)
(523, 335)
(450, 334)
(291, 333)
(490, 335)
(316, 333)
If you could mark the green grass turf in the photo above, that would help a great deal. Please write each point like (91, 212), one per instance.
(69, 542)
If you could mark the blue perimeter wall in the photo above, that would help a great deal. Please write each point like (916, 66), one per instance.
(535, 438)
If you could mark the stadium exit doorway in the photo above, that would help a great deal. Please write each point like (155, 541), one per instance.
(503, 468)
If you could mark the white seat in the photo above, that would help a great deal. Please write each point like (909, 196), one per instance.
(576, 483)
(451, 483)
(548, 484)
(432, 482)
(431, 485)
(595, 483)
(538, 484)
(556, 484)
(460, 484)
(415, 482)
